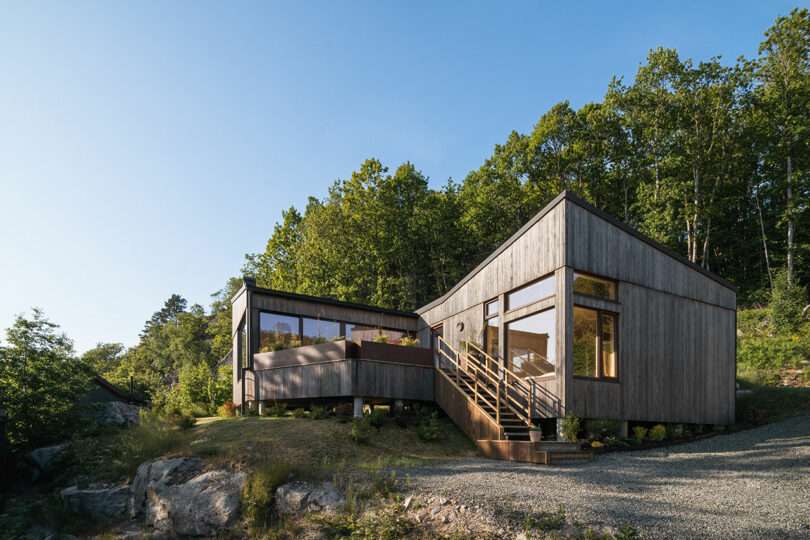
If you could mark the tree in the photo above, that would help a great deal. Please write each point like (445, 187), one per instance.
(787, 302)
(784, 72)
(104, 358)
(41, 380)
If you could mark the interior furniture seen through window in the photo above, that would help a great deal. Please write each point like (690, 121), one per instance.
(594, 343)
(531, 293)
(531, 344)
(594, 286)
(492, 321)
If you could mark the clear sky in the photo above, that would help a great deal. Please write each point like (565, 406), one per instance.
(145, 147)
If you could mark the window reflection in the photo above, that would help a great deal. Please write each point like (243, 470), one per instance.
(320, 331)
(531, 344)
(277, 332)
(531, 293)
(594, 286)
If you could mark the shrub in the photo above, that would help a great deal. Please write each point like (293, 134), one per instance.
(276, 410)
(640, 433)
(658, 432)
(675, 431)
(316, 412)
(545, 521)
(376, 418)
(428, 429)
(299, 413)
(181, 420)
(257, 495)
(227, 410)
(787, 302)
(627, 532)
(772, 352)
(361, 430)
(570, 427)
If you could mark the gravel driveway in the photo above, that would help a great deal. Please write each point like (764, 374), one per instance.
(753, 484)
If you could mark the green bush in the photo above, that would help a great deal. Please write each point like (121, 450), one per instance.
(361, 430)
(376, 418)
(316, 412)
(774, 352)
(787, 302)
(570, 427)
(640, 433)
(429, 429)
(658, 432)
(299, 413)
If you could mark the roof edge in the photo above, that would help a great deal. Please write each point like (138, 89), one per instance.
(250, 285)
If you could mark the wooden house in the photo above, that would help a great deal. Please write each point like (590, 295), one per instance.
(575, 314)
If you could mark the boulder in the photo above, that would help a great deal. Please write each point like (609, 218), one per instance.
(157, 475)
(175, 497)
(299, 497)
(103, 504)
(45, 458)
(115, 413)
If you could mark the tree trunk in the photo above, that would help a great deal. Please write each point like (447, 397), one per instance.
(764, 240)
(790, 223)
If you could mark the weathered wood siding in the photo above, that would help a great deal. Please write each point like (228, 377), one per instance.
(676, 332)
(307, 308)
(238, 308)
(388, 380)
(324, 379)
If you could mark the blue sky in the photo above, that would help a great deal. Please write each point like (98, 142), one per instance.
(145, 147)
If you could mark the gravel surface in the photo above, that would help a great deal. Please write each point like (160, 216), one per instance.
(752, 484)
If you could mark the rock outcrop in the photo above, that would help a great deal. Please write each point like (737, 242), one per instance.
(300, 497)
(176, 497)
(101, 503)
(115, 413)
(44, 459)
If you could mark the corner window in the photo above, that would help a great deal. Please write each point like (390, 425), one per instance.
(359, 333)
(531, 293)
(492, 322)
(594, 286)
(531, 345)
(594, 343)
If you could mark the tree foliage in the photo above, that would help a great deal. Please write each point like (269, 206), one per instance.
(708, 157)
(41, 380)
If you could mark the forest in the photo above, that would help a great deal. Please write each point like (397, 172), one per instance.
(709, 157)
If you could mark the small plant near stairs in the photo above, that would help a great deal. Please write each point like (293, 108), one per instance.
(570, 427)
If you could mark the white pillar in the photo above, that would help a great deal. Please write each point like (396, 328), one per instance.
(261, 407)
(358, 407)
(398, 406)
(624, 429)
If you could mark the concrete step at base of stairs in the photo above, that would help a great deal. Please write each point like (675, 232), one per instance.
(528, 452)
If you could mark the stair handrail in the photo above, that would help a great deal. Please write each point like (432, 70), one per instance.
(476, 389)
(529, 389)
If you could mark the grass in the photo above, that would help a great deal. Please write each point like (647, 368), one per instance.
(312, 448)
(771, 403)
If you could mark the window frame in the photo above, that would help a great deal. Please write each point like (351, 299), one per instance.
(301, 318)
(551, 374)
(497, 315)
(600, 278)
(599, 312)
(508, 305)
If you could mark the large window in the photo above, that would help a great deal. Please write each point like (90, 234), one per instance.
(531, 344)
(319, 331)
(492, 321)
(594, 343)
(594, 286)
(359, 333)
(531, 293)
(278, 332)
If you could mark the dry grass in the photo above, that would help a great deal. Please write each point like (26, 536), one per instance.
(310, 445)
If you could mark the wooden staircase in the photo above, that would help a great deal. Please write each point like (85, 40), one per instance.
(496, 408)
